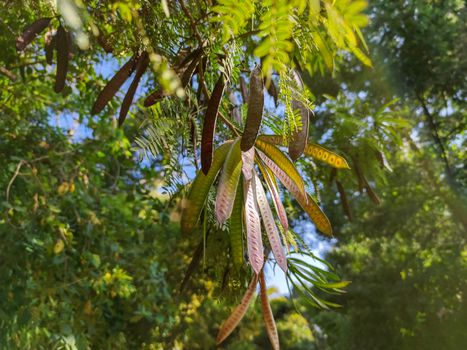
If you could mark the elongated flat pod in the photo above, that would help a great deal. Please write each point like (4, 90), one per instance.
(270, 225)
(283, 168)
(141, 66)
(371, 193)
(189, 71)
(154, 97)
(49, 46)
(109, 91)
(276, 199)
(344, 201)
(274, 139)
(236, 316)
(248, 163)
(243, 89)
(268, 317)
(236, 229)
(228, 183)
(315, 213)
(193, 55)
(194, 203)
(323, 154)
(255, 110)
(299, 138)
(62, 59)
(253, 227)
(30, 33)
(209, 126)
(272, 91)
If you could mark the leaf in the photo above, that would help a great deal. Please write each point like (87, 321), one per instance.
(283, 168)
(109, 91)
(209, 127)
(199, 190)
(228, 183)
(248, 163)
(268, 317)
(236, 316)
(141, 66)
(255, 110)
(30, 32)
(315, 213)
(253, 226)
(270, 225)
(62, 59)
(326, 156)
(276, 199)
(345, 203)
(236, 229)
(49, 46)
(299, 139)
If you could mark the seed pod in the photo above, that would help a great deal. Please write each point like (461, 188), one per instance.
(228, 183)
(49, 46)
(236, 316)
(255, 110)
(104, 43)
(253, 227)
(270, 226)
(154, 97)
(243, 89)
(345, 203)
(323, 154)
(372, 194)
(268, 317)
(62, 59)
(209, 126)
(236, 229)
(30, 32)
(248, 163)
(199, 189)
(299, 138)
(141, 66)
(189, 71)
(276, 199)
(315, 213)
(283, 168)
(109, 91)
(272, 91)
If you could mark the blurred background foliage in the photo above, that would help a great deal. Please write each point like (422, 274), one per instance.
(92, 256)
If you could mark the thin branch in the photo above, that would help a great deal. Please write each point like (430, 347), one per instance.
(13, 178)
(192, 22)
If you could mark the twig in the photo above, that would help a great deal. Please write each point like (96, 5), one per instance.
(192, 22)
(229, 124)
(13, 178)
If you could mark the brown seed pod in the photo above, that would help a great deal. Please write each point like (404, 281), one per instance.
(299, 139)
(49, 46)
(268, 317)
(371, 193)
(141, 66)
(62, 59)
(255, 110)
(190, 70)
(345, 203)
(30, 32)
(243, 89)
(104, 43)
(234, 319)
(109, 91)
(209, 126)
(272, 91)
(154, 97)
